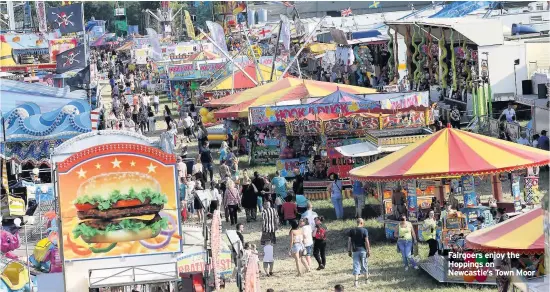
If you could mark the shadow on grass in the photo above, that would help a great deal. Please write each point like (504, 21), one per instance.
(324, 208)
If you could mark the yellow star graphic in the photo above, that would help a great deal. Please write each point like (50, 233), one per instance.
(116, 163)
(81, 173)
(98, 166)
(151, 168)
(133, 163)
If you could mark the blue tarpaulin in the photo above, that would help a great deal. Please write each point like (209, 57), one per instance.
(459, 9)
(341, 96)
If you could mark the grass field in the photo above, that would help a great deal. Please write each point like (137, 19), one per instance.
(385, 265)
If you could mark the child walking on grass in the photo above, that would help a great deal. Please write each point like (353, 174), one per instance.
(268, 258)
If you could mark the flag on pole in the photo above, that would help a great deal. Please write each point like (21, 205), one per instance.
(41, 15)
(67, 19)
(217, 34)
(345, 12)
(189, 25)
(155, 44)
(285, 31)
(240, 8)
(81, 80)
(72, 59)
(375, 4)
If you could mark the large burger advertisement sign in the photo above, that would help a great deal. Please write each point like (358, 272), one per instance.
(118, 200)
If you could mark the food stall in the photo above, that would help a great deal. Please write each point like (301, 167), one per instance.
(140, 249)
(481, 155)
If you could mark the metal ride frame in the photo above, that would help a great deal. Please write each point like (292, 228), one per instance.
(147, 271)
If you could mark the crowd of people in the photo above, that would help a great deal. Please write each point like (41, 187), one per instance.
(261, 198)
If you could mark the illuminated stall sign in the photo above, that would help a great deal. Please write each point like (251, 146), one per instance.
(118, 200)
(416, 99)
(261, 115)
(183, 71)
(58, 46)
(407, 119)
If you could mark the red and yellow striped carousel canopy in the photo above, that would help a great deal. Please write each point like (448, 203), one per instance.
(520, 234)
(451, 152)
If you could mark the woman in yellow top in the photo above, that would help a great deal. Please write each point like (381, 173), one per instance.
(429, 233)
(405, 240)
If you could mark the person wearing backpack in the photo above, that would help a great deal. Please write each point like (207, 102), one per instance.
(320, 242)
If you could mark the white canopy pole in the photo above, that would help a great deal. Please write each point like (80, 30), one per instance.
(302, 48)
(253, 54)
(229, 57)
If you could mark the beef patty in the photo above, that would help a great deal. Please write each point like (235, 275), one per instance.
(119, 212)
(102, 224)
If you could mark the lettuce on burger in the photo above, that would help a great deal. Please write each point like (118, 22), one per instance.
(118, 207)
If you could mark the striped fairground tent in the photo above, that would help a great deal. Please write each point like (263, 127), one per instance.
(288, 88)
(451, 152)
(522, 234)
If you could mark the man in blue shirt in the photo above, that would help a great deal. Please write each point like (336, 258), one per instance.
(359, 198)
(543, 141)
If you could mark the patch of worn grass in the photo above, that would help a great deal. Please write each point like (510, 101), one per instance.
(385, 265)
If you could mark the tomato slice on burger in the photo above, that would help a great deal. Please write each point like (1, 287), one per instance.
(127, 203)
(84, 207)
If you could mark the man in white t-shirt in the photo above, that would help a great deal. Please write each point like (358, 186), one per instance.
(156, 103)
(144, 100)
(510, 113)
(187, 123)
(310, 215)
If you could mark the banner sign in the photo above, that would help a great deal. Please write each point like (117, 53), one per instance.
(244, 61)
(161, 69)
(195, 263)
(407, 119)
(140, 43)
(516, 194)
(286, 167)
(261, 115)
(195, 70)
(58, 46)
(141, 56)
(183, 71)
(469, 191)
(189, 25)
(406, 101)
(186, 49)
(412, 204)
(210, 68)
(93, 185)
(41, 15)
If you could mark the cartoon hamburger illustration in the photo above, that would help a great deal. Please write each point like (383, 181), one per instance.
(118, 207)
